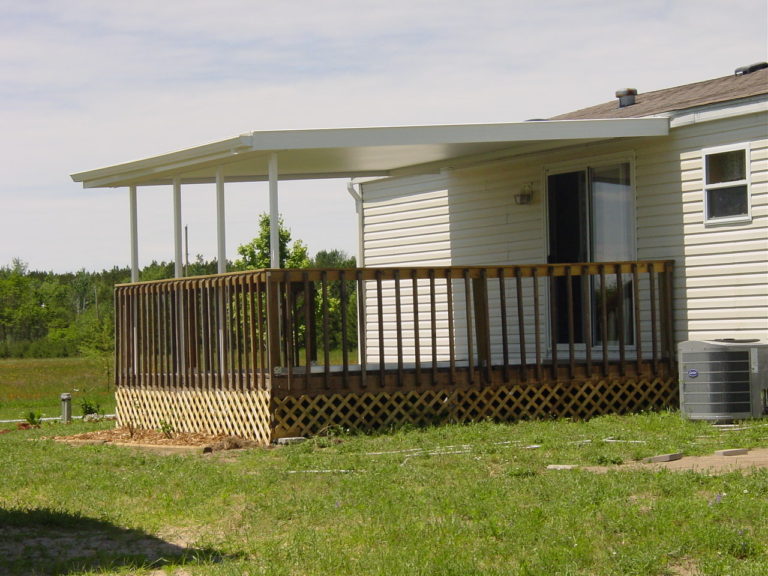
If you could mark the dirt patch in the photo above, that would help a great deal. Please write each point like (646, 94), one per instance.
(159, 441)
(710, 464)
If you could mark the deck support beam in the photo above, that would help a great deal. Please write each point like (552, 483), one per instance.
(274, 214)
(134, 234)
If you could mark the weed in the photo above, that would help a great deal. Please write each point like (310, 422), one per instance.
(33, 418)
(88, 407)
(167, 429)
(604, 460)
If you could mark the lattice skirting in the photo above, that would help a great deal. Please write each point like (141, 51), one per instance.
(308, 415)
(237, 413)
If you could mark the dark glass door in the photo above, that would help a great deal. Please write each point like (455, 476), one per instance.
(591, 219)
(568, 242)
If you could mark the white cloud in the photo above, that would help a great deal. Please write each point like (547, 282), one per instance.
(87, 83)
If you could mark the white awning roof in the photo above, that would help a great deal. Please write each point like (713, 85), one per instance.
(358, 152)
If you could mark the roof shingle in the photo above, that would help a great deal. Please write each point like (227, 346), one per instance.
(679, 98)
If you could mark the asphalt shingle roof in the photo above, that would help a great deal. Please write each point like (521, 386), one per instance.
(679, 98)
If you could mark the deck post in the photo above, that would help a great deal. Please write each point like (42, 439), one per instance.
(273, 323)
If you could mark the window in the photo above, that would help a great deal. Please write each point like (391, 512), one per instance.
(726, 186)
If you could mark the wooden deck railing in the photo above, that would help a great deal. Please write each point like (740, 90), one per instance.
(469, 325)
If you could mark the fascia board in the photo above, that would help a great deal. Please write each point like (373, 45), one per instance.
(458, 134)
(180, 160)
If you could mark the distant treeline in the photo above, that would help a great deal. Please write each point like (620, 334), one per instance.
(44, 314)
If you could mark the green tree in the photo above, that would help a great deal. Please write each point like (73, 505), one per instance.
(333, 259)
(256, 253)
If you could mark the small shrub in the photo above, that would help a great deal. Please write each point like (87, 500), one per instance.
(33, 418)
(88, 407)
(166, 428)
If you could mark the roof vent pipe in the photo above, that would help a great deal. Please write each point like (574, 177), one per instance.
(742, 70)
(626, 97)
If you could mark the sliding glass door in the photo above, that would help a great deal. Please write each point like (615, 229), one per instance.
(591, 219)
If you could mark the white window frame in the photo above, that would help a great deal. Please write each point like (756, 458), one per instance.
(727, 220)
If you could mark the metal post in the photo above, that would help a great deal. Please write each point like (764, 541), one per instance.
(66, 408)
(177, 258)
(134, 235)
(221, 233)
(274, 214)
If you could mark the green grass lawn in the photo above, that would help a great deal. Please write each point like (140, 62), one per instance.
(460, 500)
(36, 385)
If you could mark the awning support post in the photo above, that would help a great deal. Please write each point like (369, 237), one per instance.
(177, 258)
(274, 214)
(134, 235)
(221, 232)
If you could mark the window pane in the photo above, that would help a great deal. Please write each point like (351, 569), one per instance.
(726, 166)
(725, 202)
(613, 226)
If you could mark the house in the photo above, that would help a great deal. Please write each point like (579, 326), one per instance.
(540, 268)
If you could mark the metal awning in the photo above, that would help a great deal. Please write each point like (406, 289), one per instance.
(357, 152)
(342, 153)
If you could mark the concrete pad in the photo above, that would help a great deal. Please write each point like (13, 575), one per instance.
(732, 452)
(290, 440)
(663, 458)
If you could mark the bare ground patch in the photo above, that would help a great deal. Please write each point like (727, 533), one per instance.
(710, 464)
(159, 441)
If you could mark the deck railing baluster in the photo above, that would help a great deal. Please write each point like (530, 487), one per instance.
(416, 337)
(604, 317)
(621, 320)
(342, 281)
(451, 332)
(636, 319)
(433, 323)
(308, 327)
(654, 313)
(326, 329)
(523, 372)
(361, 327)
(468, 316)
(586, 307)
(380, 316)
(504, 334)
(398, 328)
(571, 323)
(554, 336)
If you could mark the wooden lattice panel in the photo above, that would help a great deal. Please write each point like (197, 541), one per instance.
(237, 413)
(307, 415)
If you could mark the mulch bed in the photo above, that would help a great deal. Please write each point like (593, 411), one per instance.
(136, 437)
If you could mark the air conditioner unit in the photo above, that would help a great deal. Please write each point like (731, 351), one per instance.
(723, 379)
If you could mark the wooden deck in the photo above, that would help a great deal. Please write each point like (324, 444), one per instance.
(270, 353)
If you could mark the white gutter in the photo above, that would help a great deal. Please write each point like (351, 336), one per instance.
(358, 197)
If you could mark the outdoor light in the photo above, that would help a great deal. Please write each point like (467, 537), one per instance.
(525, 195)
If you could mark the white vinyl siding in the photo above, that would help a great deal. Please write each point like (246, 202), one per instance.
(721, 277)
(468, 217)
(406, 223)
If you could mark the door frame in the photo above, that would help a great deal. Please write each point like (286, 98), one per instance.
(585, 164)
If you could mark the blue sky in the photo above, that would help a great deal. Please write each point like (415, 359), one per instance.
(88, 83)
